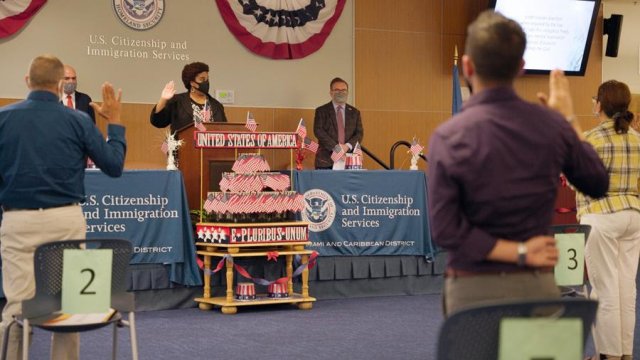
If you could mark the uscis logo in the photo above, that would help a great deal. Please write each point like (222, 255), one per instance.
(320, 210)
(139, 14)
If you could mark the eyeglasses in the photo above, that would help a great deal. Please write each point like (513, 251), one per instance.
(340, 90)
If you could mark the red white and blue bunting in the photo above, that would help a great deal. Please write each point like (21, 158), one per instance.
(272, 255)
(14, 14)
(281, 29)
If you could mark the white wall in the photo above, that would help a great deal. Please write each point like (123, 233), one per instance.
(626, 66)
(69, 28)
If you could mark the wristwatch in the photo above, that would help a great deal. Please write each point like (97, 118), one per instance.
(522, 254)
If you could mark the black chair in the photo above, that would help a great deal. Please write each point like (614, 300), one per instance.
(574, 229)
(46, 304)
(473, 333)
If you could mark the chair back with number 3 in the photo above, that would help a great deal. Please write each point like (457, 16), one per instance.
(572, 256)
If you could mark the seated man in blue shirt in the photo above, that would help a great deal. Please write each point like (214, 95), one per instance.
(44, 147)
(494, 170)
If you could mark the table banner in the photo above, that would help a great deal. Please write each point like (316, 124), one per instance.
(377, 212)
(141, 206)
(148, 208)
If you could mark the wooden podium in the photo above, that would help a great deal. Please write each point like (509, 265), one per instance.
(213, 161)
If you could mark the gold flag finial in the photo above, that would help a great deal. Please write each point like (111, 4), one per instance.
(455, 55)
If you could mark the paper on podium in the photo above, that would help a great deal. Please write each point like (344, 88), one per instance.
(339, 165)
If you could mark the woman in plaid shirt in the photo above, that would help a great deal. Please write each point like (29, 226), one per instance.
(613, 247)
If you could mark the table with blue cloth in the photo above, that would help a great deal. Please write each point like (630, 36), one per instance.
(149, 208)
(377, 212)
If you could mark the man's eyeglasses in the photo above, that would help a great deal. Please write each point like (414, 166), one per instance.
(340, 90)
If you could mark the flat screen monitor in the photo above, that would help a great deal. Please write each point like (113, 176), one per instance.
(559, 32)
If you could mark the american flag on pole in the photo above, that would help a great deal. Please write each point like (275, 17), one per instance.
(456, 97)
(357, 149)
(337, 153)
(164, 147)
(251, 122)
(415, 148)
(302, 129)
(310, 145)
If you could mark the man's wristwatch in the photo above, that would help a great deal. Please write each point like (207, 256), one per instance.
(522, 254)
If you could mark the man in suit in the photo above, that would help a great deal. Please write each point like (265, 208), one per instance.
(329, 131)
(75, 99)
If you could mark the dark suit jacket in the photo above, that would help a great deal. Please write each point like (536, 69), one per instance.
(178, 112)
(325, 129)
(82, 104)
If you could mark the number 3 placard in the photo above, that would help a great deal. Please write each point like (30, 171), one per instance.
(569, 270)
(86, 281)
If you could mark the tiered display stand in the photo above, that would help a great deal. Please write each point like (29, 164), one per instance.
(240, 240)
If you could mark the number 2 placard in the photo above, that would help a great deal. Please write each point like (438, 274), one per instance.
(86, 281)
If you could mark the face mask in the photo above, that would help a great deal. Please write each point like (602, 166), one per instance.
(69, 88)
(204, 87)
(340, 97)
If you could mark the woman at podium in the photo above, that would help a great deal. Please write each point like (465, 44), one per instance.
(193, 107)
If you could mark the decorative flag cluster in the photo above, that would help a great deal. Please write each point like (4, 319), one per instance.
(247, 203)
(337, 153)
(251, 122)
(254, 182)
(250, 163)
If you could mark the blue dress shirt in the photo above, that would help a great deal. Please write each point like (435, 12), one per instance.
(44, 147)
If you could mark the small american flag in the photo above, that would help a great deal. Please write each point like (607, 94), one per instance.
(164, 147)
(415, 148)
(200, 126)
(206, 112)
(310, 145)
(251, 122)
(337, 153)
(302, 129)
(209, 203)
(357, 149)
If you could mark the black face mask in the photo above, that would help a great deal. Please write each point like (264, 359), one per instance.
(204, 86)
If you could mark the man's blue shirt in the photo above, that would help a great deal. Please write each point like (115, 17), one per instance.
(43, 152)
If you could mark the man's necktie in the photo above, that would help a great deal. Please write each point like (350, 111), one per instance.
(340, 121)
(69, 101)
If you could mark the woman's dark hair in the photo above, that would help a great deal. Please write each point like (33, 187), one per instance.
(190, 71)
(614, 97)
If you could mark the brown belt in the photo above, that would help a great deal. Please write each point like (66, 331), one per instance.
(453, 273)
(7, 209)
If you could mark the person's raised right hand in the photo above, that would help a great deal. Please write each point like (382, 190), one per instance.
(541, 251)
(168, 91)
(559, 97)
(110, 108)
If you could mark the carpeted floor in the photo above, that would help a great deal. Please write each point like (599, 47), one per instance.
(398, 327)
(395, 327)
